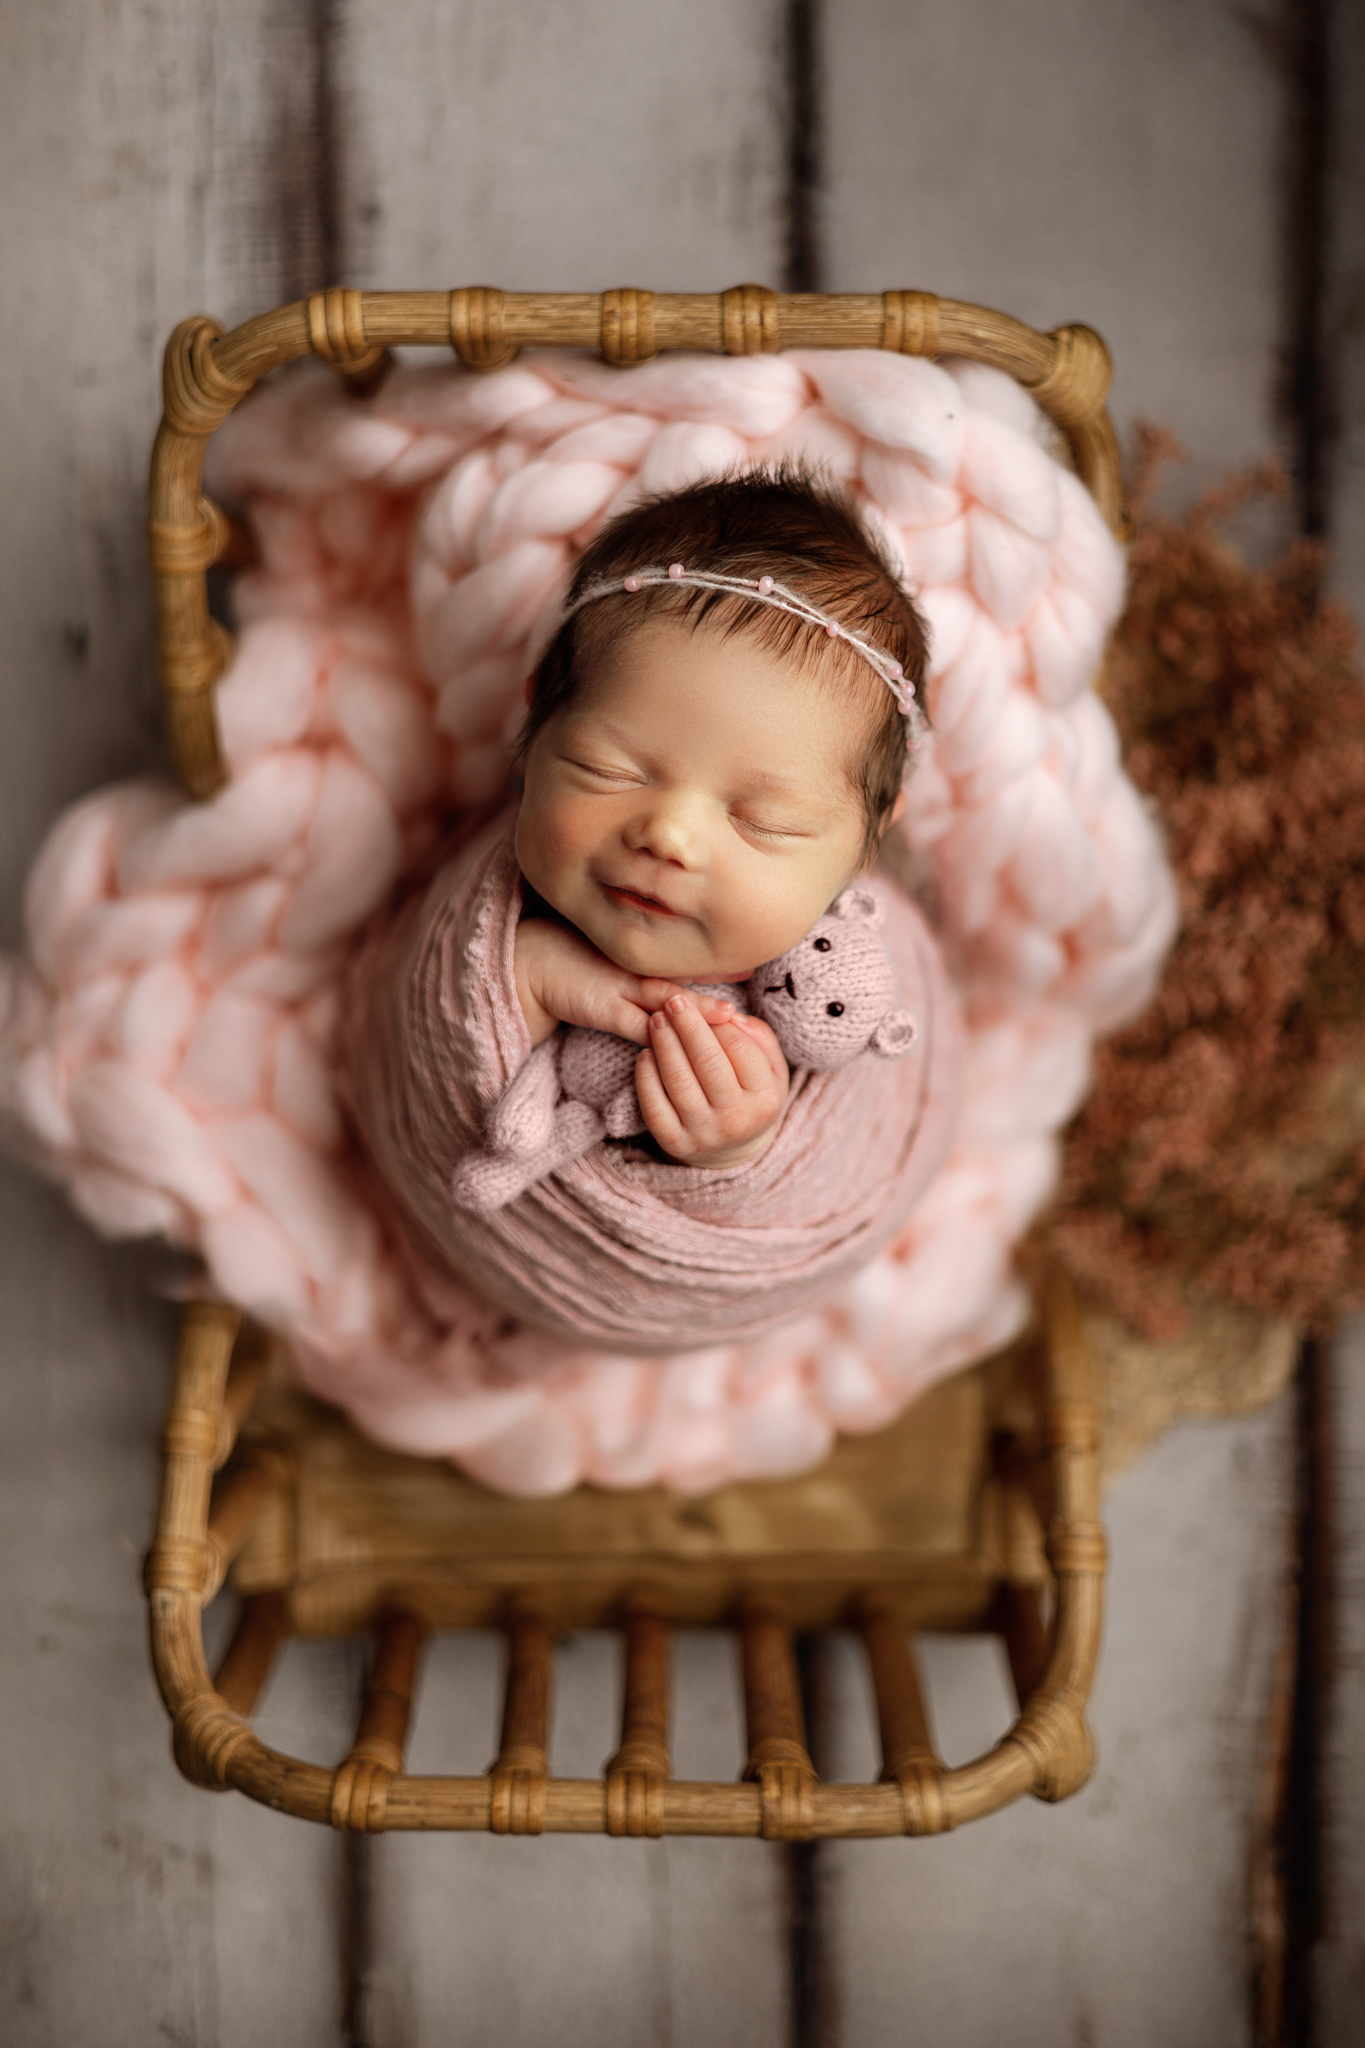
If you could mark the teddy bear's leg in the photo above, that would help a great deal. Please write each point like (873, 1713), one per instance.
(489, 1180)
(622, 1115)
(522, 1122)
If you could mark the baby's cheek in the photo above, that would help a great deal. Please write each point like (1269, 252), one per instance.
(773, 912)
(547, 846)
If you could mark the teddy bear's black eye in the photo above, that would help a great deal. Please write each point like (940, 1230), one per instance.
(834, 1009)
(821, 945)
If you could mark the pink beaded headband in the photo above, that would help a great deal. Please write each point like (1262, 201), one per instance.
(763, 590)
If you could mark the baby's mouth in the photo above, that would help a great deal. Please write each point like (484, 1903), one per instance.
(633, 900)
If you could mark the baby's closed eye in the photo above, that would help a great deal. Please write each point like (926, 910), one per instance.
(764, 830)
(601, 773)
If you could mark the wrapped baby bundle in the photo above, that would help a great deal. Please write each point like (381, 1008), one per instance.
(169, 1044)
(618, 1248)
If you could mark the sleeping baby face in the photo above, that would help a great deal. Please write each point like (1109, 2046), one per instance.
(693, 810)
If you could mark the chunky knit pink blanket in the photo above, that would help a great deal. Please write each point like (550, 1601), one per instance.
(167, 1044)
(618, 1248)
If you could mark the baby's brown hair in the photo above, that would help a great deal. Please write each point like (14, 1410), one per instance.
(781, 522)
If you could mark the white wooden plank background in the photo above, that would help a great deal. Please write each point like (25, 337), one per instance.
(557, 148)
(1074, 160)
(1118, 1919)
(134, 162)
(583, 148)
(1339, 1977)
(1116, 165)
(573, 1940)
(1113, 164)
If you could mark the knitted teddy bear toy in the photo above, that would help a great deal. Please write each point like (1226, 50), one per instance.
(827, 999)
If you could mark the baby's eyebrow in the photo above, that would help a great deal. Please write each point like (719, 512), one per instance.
(777, 785)
(760, 784)
(593, 726)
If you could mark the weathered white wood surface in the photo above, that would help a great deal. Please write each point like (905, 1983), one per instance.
(558, 148)
(572, 1940)
(1074, 161)
(1119, 1919)
(136, 173)
(1345, 300)
(158, 160)
(569, 149)
(1106, 163)
(1339, 1976)
(1116, 165)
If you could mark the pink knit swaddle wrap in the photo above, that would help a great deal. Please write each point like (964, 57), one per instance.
(167, 1047)
(616, 1248)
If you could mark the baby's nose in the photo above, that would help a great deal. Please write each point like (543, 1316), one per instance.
(669, 833)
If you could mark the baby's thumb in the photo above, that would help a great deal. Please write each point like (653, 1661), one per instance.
(767, 1038)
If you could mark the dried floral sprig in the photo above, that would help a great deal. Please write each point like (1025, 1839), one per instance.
(1222, 1151)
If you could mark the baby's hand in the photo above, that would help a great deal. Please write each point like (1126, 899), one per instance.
(711, 1093)
(561, 979)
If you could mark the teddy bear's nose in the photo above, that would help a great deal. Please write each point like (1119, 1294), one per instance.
(786, 982)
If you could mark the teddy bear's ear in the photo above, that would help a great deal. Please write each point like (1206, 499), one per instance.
(895, 1034)
(860, 906)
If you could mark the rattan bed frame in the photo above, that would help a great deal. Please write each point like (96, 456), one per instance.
(978, 1510)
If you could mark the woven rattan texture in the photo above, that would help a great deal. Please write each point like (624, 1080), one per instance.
(1046, 1504)
(207, 372)
(202, 1528)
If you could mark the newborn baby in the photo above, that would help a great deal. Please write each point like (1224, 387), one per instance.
(714, 747)
(705, 773)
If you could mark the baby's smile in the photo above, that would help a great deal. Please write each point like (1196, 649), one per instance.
(692, 810)
(631, 898)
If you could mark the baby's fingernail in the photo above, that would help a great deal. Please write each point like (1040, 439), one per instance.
(677, 1004)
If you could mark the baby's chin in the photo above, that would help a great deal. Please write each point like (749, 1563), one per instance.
(657, 960)
(659, 964)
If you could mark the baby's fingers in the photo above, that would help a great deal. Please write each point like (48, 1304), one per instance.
(706, 1057)
(661, 1118)
(623, 1018)
(765, 1038)
(651, 993)
(756, 1060)
(626, 1010)
(676, 1067)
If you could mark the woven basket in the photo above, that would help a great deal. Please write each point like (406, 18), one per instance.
(978, 1510)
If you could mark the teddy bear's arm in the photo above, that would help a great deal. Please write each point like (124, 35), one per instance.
(523, 1118)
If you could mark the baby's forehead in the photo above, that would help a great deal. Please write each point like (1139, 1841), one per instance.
(823, 691)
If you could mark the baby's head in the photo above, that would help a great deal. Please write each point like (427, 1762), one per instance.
(706, 771)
